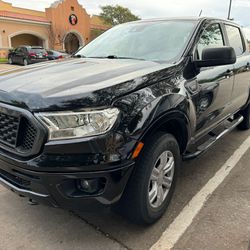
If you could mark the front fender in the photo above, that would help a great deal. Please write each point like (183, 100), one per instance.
(144, 108)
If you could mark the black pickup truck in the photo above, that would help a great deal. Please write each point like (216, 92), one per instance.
(111, 125)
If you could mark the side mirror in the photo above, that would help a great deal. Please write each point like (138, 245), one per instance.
(216, 56)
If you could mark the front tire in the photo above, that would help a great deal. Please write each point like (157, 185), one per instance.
(245, 125)
(152, 184)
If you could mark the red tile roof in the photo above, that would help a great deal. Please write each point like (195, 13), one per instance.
(15, 15)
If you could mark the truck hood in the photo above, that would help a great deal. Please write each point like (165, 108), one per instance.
(75, 82)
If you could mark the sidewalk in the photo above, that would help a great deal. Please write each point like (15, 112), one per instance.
(5, 66)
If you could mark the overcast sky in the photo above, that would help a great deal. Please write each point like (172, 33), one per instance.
(161, 8)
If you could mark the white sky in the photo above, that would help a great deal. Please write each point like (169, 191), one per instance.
(161, 8)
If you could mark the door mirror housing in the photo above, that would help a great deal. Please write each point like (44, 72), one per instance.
(216, 57)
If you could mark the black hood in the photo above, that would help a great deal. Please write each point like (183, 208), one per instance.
(75, 83)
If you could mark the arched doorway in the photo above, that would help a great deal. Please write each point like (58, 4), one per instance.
(27, 38)
(72, 42)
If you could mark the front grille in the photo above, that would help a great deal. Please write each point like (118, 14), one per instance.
(8, 129)
(20, 132)
(27, 135)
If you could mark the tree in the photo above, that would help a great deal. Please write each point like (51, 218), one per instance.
(117, 14)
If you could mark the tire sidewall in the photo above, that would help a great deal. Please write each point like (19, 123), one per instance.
(245, 125)
(164, 143)
(25, 60)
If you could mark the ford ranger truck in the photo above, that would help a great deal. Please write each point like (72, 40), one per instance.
(111, 125)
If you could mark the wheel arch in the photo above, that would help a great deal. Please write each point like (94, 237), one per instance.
(175, 123)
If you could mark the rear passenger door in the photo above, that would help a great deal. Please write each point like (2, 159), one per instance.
(241, 86)
(19, 55)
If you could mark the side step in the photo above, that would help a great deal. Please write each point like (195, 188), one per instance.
(231, 125)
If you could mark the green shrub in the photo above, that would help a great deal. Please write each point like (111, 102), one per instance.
(3, 60)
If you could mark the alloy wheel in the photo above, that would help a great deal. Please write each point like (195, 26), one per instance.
(161, 179)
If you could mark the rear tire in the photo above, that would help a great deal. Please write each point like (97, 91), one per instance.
(10, 60)
(25, 62)
(245, 125)
(147, 196)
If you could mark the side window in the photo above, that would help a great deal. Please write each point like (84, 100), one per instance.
(211, 37)
(18, 50)
(23, 50)
(235, 39)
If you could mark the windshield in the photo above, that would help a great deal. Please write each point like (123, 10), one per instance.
(154, 41)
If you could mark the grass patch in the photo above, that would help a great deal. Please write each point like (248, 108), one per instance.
(3, 60)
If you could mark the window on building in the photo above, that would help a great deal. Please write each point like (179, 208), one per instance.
(72, 8)
(235, 39)
(211, 37)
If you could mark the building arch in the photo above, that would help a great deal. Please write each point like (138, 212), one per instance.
(43, 39)
(72, 41)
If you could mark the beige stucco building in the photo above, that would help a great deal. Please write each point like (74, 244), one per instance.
(65, 25)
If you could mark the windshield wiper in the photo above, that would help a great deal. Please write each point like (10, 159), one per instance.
(108, 57)
(116, 57)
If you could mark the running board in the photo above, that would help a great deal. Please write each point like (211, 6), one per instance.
(213, 139)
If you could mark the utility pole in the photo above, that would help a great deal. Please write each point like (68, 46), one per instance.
(229, 10)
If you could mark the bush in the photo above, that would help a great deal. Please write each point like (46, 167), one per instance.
(3, 60)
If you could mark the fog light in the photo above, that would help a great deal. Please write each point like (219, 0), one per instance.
(91, 186)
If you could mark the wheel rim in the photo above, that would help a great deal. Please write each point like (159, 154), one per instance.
(25, 62)
(161, 179)
(10, 61)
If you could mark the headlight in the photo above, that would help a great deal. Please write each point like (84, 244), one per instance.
(69, 125)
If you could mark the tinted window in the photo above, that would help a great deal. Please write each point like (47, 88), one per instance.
(211, 37)
(37, 50)
(18, 50)
(155, 41)
(23, 50)
(235, 39)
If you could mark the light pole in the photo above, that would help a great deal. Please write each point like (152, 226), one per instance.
(229, 10)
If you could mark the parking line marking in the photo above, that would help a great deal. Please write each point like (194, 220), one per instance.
(178, 227)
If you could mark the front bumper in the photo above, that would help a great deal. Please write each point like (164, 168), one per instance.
(61, 189)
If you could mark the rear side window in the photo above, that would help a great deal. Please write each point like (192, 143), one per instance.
(37, 50)
(24, 50)
(211, 37)
(235, 39)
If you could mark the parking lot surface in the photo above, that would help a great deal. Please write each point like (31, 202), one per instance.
(5, 67)
(222, 223)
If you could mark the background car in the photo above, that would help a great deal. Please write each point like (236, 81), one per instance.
(54, 55)
(27, 54)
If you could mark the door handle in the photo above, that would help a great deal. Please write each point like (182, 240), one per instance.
(229, 73)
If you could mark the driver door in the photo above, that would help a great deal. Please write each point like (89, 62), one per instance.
(215, 83)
